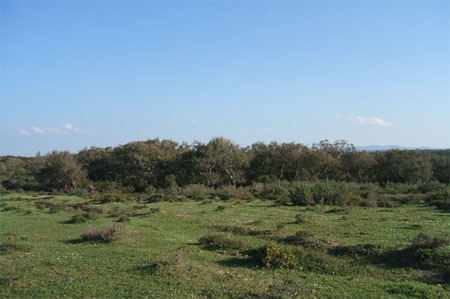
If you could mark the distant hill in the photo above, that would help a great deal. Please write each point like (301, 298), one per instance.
(375, 148)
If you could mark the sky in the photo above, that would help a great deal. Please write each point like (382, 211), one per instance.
(77, 74)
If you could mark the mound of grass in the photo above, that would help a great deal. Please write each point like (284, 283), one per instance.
(82, 217)
(217, 241)
(366, 250)
(424, 240)
(243, 231)
(273, 255)
(10, 248)
(107, 234)
(304, 239)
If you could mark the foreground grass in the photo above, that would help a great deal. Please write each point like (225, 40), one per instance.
(42, 253)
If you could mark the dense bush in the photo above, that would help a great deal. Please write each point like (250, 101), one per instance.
(196, 191)
(273, 255)
(328, 193)
(109, 197)
(440, 198)
(107, 234)
(301, 195)
(423, 240)
(278, 191)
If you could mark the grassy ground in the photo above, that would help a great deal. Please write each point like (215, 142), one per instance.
(350, 252)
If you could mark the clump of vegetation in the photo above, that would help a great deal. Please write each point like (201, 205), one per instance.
(154, 210)
(221, 208)
(82, 217)
(424, 240)
(109, 197)
(328, 193)
(300, 218)
(427, 252)
(232, 192)
(10, 248)
(367, 250)
(277, 191)
(440, 198)
(243, 231)
(124, 218)
(217, 241)
(304, 239)
(273, 255)
(106, 234)
(196, 191)
(301, 195)
(171, 259)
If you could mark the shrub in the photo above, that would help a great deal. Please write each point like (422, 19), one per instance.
(304, 239)
(216, 241)
(328, 193)
(82, 217)
(423, 240)
(440, 198)
(109, 197)
(275, 191)
(272, 255)
(124, 218)
(430, 186)
(300, 218)
(221, 208)
(301, 195)
(196, 191)
(10, 248)
(233, 192)
(107, 234)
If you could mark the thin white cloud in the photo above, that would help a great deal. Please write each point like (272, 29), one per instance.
(373, 121)
(370, 121)
(23, 132)
(38, 130)
(192, 121)
(66, 128)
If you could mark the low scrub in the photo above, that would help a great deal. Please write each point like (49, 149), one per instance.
(106, 234)
(440, 198)
(11, 248)
(217, 241)
(304, 239)
(243, 231)
(82, 217)
(273, 255)
(109, 197)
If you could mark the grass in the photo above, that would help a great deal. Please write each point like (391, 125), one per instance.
(338, 253)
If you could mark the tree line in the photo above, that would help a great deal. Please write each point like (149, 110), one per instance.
(155, 163)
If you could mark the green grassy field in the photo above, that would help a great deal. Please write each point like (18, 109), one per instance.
(344, 252)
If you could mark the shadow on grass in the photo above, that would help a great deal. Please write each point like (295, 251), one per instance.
(83, 241)
(235, 262)
(149, 269)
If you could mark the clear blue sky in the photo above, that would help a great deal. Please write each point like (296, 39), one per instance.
(77, 74)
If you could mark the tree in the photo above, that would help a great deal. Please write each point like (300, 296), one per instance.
(61, 171)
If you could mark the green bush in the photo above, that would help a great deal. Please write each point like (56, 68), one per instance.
(83, 217)
(196, 191)
(273, 255)
(278, 191)
(440, 198)
(424, 240)
(217, 241)
(328, 193)
(107, 234)
(302, 195)
(109, 197)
